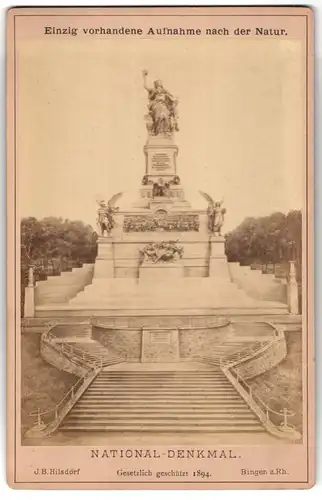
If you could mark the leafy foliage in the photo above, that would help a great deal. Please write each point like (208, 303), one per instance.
(56, 238)
(53, 245)
(272, 239)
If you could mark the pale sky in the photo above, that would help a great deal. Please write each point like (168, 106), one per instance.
(81, 131)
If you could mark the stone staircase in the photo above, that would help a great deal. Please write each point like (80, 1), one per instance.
(161, 401)
(259, 286)
(60, 289)
(75, 342)
(233, 353)
(134, 294)
(94, 351)
(74, 331)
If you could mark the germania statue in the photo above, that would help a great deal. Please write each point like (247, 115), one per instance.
(162, 108)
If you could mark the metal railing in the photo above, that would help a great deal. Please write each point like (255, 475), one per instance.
(247, 353)
(250, 352)
(48, 418)
(275, 421)
(283, 416)
(69, 350)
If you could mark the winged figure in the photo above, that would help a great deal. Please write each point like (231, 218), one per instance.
(105, 213)
(216, 214)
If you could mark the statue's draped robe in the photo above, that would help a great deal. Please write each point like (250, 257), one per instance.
(161, 108)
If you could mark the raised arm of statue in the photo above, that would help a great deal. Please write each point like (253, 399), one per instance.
(145, 74)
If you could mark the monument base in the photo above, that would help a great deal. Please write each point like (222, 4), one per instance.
(160, 271)
(104, 264)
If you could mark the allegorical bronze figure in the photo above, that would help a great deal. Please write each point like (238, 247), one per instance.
(162, 108)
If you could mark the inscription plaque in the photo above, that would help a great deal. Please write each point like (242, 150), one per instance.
(161, 337)
(160, 346)
(160, 161)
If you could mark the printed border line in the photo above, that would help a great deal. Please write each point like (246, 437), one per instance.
(307, 247)
(160, 15)
(162, 482)
(15, 242)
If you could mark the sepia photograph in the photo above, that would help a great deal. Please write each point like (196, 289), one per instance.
(161, 232)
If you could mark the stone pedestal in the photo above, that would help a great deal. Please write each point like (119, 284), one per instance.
(218, 267)
(292, 291)
(29, 305)
(160, 346)
(104, 264)
(161, 271)
(160, 153)
(29, 309)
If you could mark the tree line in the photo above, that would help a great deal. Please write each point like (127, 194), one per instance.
(273, 239)
(57, 243)
(53, 245)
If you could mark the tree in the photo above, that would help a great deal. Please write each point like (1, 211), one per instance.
(58, 238)
(271, 239)
(54, 244)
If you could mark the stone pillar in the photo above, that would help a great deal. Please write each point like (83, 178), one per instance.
(292, 291)
(29, 309)
(218, 267)
(104, 264)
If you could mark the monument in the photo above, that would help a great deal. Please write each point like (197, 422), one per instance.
(161, 257)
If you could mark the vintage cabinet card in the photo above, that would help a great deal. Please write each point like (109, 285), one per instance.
(160, 248)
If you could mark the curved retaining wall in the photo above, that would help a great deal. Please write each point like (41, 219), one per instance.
(124, 343)
(60, 361)
(263, 361)
(193, 342)
(161, 321)
(199, 342)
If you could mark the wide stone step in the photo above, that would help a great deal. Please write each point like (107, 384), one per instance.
(163, 419)
(212, 372)
(164, 372)
(158, 378)
(163, 390)
(162, 380)
(163, 398)
(223, 395)
(156, 382)
(122, 405)
(160, 427)
(161, 412)
(117, 375)
(151, 386)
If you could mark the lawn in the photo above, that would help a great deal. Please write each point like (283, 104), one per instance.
(42, 385)
(281, 387)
